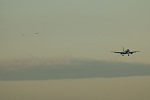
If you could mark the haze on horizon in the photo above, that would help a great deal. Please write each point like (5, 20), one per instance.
(70, 58)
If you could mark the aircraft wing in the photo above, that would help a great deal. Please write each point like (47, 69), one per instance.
(134, 52)
(117, 52)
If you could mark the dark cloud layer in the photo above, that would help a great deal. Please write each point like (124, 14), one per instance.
(70, 69)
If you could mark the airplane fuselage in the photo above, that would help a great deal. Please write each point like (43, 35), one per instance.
(126, 51)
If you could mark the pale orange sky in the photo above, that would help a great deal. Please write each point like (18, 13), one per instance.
(126, 88)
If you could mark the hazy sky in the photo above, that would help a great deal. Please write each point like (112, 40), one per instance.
(74, 28)
(132, 88)
(70, 58)
(45, 69)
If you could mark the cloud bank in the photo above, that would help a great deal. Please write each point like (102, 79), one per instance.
(70, 68)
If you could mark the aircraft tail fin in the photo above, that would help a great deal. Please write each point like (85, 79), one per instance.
(123, 49)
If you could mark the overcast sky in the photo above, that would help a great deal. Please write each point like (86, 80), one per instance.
(74, 28)
(61, 49)
(48, 69)
(126, 88)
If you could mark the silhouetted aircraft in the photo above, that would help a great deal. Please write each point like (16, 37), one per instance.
(125, 52)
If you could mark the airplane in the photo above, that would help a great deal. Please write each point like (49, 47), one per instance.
(125, 52)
